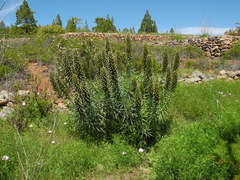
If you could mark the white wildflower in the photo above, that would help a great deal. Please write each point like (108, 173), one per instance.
(5, 158)
(65, 123)
(30, 125)
(220, 92)
(230, 94)
(124, 153)
(24, 103)
(53, 142)
(141, 150)
(49, 132)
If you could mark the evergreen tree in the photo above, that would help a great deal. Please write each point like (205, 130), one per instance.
(172, 31)
(86, 28)
(72, 24)
(147, 24)
(2, 25)
(57, 21)
(25, 18)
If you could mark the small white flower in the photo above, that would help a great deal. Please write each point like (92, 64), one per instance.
(141, 150)
(30, 125)
(24, 103)
(49, 132)
(230, 94)
(124, 153)
(224, 95)
(220, 92)
(53, 142)
(65, 123)
(38, 93)
(5, 158)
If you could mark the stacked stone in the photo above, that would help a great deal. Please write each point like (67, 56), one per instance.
(214, 46)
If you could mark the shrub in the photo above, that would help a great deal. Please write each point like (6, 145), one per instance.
(233, 52)
(50, 30)
(111, 104)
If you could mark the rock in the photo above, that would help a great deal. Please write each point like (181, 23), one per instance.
(230, 79)
(222, 72)
(224, 76)
(6, 112)
(236, 77)
(5, 95)
(237, 73)
(199, 75)
(185, 75)
(230, 74)
(24, 93)
(3, 102)
(193, 80)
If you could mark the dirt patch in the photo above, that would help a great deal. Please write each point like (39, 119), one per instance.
(40, 78)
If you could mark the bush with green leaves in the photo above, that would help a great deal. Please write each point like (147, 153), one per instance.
(233, 52)
(50, 30)
(113, 104)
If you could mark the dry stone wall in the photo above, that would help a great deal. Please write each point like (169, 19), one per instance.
(212, 46)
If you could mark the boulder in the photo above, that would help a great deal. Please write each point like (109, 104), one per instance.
(230, 74)
(24, 93)
(3, 102)
(6, 112)
(199, 75)
(224, 76)
(193, 80)
(222, 72)
(185, 75)
(5, 95)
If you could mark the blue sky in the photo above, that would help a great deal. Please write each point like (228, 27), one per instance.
(185, 16)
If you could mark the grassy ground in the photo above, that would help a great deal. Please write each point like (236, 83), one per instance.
(205, 124)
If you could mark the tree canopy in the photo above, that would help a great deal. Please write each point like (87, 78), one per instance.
(148, 25)
(25, 18)
(57, 21)
(104, 25)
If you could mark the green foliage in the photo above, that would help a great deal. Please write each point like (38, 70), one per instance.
(31, 109)
(106, 104)
(5, 71)
(177, 37)
(204, 150)
(25, 18)
(104, 25)
(72, 24)
(172, 31)
(50, 30)
(192, 52)
(233, 52)
(148, 25)
(57, 21)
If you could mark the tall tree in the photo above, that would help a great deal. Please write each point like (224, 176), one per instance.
(172, 31)
(147, 24)
(25, 18)
(104, 25)
(72, 24)
(2, 25)
(57, 21)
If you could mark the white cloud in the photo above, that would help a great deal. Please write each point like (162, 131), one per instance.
(9, 7)
(202, 30)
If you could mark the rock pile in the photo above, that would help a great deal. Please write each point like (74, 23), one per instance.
(229, 75)
(195, 77)
(214, 46)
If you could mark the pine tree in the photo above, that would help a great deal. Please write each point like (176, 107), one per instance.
(2, 25)
(86, 28)
(147, 24)
(57, 21)
(172, 31)
(25, 18)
